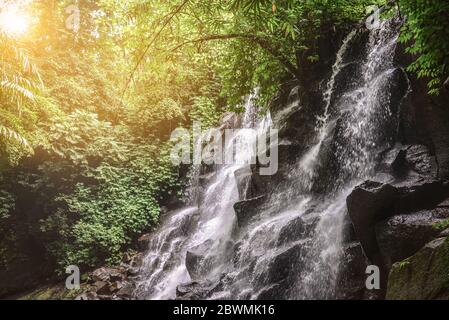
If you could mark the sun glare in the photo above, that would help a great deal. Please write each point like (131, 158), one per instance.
(13, 21)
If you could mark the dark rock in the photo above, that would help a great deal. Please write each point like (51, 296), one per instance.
(420, 160)
(412, 162)
(400, 165)
(352, 277)
(424, 118)
(136, 261)
(444, 233)
(373, 202)
(414, 196)
(194, 290)
(88, 296)
(243, 179)
(368, 204)
(282, 265)
(102, 288)
(401, 236)
(205, 179)
(423, 276)
(199, 260)
(144, 241)
(184, 225)
(273, 292)
(126, 291)
(247, 209)
(446, 84)
(108, 274)
(297, 229)
(301, 135)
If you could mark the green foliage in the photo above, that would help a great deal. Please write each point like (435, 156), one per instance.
(19, 80)
(6, 204)
(442, 225)
(403, 264)
(111, 194)
(427, 29)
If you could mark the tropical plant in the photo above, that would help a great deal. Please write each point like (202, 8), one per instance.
(427, 31)
(19, 80)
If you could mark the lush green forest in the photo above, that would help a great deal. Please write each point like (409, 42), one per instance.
(88, 102)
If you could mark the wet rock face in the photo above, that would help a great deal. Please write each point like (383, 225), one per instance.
(373, 202)
(198, 260)
(425, 118)
(395, 220)
(297, 229)
(194, 290)
(413, 162)
(424, 276)
(351, 282)
(368, 204)
(247, 209)
(401, 236)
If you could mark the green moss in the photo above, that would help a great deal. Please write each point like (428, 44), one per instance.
(58, 292)
(424, 276)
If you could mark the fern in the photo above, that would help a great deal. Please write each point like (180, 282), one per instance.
(9, 134)
(19, 78)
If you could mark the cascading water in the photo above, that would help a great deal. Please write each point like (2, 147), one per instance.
(287, 250)
(308, 162)
(208, 227)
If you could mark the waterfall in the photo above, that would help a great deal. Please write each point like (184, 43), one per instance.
(362, 113)
(309, 161)
(209, 226)
(291, 248)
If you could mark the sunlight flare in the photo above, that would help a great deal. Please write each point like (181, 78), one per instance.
(13, 21)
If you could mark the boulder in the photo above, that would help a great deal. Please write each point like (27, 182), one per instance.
(297, 229)
(247, 209)
(195, 290)
(424, 276)
(400, 167)
(125, 291)
(102, 288)
(352, 277)
(411, 162)
(373, 202)
(280, 268)
(368, 204)
(420, 160)
(198, 260)
(401, 236)
(106, 274)
(144, 241)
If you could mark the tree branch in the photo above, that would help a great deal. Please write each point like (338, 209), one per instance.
(262, 42)
(168, 19)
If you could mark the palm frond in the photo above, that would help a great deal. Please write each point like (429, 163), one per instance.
(19, 77)
(9, 134)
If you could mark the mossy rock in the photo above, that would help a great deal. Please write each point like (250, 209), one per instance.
(424, 276)
(57, 292)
